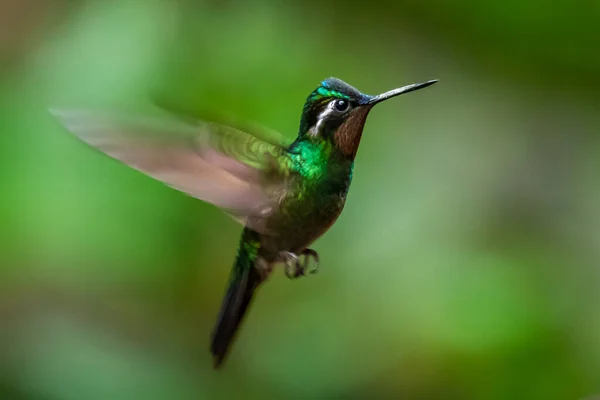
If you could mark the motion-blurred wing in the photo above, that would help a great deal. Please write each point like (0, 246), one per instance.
(193, 117)
(221, 165)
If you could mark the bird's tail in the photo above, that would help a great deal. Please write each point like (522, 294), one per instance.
(244, 280)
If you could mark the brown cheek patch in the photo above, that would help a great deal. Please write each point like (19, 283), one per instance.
(347, 137)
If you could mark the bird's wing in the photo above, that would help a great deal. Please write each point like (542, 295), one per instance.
(224, 166)
(194, 116)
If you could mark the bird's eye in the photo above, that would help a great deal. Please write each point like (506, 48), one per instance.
(341, 105)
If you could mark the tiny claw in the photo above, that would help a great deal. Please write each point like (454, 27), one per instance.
(294, 268)
(292, 264)
(308, 254)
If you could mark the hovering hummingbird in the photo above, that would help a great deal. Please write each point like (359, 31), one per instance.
(285, 194)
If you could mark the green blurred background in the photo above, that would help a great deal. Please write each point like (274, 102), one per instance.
(466, 264)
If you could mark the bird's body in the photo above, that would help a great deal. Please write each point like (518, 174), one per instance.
(286, 194)
(314, 199)
(319, 177)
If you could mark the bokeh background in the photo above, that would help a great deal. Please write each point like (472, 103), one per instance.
(466, 264)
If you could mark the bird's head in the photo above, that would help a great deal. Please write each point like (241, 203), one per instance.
(336, 112)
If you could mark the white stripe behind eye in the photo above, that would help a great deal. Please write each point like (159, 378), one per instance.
(316, 129)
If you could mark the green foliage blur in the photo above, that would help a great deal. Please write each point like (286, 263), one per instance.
(466, 264)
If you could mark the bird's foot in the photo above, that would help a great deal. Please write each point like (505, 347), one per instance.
(291, 264)
(295, 268)
(308, 255)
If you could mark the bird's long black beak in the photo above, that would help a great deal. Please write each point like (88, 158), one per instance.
(397, 92)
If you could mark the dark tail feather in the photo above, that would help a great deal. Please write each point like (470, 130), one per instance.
(244, 281)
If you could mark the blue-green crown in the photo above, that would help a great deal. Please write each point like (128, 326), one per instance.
(333, 87)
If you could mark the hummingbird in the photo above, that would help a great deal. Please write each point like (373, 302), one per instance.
(285, 193)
